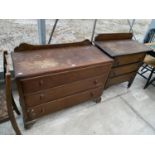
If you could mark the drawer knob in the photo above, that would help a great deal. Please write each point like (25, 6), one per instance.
(41, 82)
(117, 62)
(42, 96)
(31, 112)
(92, 94)
(42, 110)
(95, 82)
(113, 74)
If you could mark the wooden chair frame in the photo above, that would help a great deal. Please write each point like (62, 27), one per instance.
(147, 67)
(9, 97)
(5, 64)
(150, 80)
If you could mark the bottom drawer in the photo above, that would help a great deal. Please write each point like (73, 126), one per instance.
(120, 79)
(62, 103)
(117, 71)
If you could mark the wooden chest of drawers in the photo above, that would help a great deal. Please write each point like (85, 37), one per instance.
(53, 77)
(127, 54)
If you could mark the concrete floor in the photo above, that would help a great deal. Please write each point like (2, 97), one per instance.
(122, 111)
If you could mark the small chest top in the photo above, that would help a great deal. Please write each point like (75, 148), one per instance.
(37, 62)
(122, 47)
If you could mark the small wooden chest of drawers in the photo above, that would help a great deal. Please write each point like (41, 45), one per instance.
(127, 54)
(53, 77)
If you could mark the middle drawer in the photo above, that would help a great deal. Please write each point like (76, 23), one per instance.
(64, 90)
(35, 84)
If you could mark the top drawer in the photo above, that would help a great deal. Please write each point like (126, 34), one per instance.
(128, 59)
(35, 84)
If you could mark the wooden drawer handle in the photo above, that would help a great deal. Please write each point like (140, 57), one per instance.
(92, 94)
(113, 74)
(42, 111)
(95, 82)
(116, 62)
(32, 113)
(42, 96)
(41, 82)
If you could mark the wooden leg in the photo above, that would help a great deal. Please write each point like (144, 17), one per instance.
(131, 80)
(130, 83)
(15, 126)
(14, 105)
(28, 125)
(9, 104)
(98, 100)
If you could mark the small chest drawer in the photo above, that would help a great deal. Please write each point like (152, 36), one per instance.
(64, 90)
(120, 79)
(127, 59)
(62, 103)
(31, 85)
(116, 71)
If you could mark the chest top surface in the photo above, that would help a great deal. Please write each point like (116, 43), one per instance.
(122, 47)
(31, 63)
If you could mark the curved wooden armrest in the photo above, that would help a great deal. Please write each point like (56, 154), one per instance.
(9, 101)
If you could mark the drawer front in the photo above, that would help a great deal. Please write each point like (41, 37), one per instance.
(127, 59)
(64, 90)
(59, 104)
(120, 79)
(124, 69)
(44, 82)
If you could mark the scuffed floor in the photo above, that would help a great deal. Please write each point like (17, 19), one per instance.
(122, 111)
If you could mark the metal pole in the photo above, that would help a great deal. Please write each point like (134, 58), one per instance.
(93, 32)
(131, 24)
(52, 32)
(42, 31)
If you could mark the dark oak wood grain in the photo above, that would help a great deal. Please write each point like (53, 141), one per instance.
(62, 103)
(120, 79)
(45, 61)
(128, 59)
(127, 54)
(63, 90)
(53, 77)
(122, 47)
(116, 71)
(30, 85)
